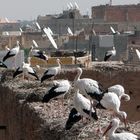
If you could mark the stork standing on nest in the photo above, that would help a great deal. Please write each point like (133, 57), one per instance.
(36, 52)
(73, 118)
(52, 72)
(12, 53)
(88, 87)
(111, 102)
(26, 69)
(83, 106)
(110, 54)
(60, 88)
(114, 124)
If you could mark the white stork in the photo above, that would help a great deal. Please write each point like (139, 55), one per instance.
(114, 124)
(51, 72)
(83, 106)
(38, 53)
(26, 69)
(73, 118)
(119, 90)
(110, 101)
(13, 52)
(110, 54)
(88, 87)
(60, 88)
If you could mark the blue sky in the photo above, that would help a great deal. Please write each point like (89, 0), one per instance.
(30, 9)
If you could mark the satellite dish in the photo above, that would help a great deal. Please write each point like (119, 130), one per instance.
(71, 5)
(93, 31)
(70, 31)
(38, 26)
(7, 20)
(21, 30)
(50, 31)
(50, 37)
(112, 29)
(68, 6)
(76, 5)
(138, 53)
(35, 44)
(7, 33)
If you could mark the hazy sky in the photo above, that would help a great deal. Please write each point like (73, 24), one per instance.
(30, 9)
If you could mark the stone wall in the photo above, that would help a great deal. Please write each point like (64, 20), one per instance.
(22, 118)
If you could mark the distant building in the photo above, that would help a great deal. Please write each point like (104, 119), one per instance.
(11, 25)
(117, 13)
(69, 18)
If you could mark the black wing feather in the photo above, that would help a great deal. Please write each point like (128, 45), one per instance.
(51, 94)
(34, 74)
(2, 65)
(8, 55)
(74, 117)
(17, 72)
(107, 57)
(93, 114)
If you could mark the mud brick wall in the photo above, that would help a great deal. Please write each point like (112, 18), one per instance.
(20, 121)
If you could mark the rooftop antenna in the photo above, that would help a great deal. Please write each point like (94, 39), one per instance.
(35, 44)
(71, 5)
(68, 6)
(70, 31)
(76, 6)
(110, 3)
(21, 30)
(38, 26)
(6, 19)
(50, 37)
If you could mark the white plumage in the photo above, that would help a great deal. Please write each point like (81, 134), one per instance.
(119, 91)
(109, 54)
(60, 88)
(63, 85)
(38, 53)
(26, 69)
(51, 72)
(111, 101)
(88, 87)
(82, 105)
(13, 52)
(114, 124)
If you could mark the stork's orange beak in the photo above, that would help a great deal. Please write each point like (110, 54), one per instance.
(108, 128)
(125, 122)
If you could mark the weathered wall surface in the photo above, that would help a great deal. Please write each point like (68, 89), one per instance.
(23, 122)
(119, 13)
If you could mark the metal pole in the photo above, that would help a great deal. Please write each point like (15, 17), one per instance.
(93, 51)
